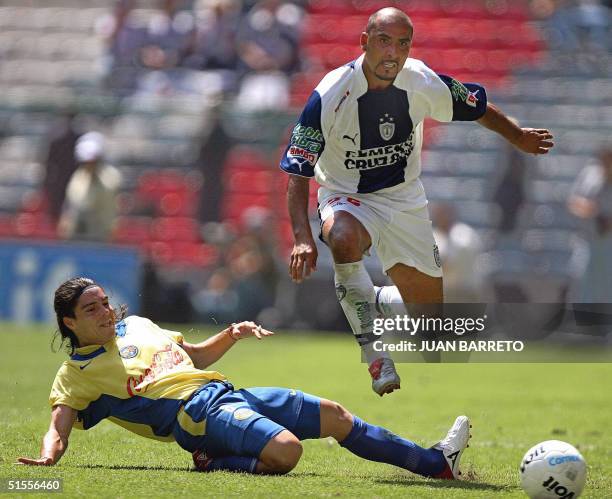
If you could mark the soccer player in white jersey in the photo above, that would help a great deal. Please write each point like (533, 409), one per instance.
(360, 135)
(153, 383)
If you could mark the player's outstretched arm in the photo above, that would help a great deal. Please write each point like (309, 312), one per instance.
(55, 441)
(211, 350)
(303, 260)
(529, 140)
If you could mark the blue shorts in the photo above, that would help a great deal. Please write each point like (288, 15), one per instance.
(232, 422)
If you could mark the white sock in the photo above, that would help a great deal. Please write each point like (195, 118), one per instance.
(355, 292)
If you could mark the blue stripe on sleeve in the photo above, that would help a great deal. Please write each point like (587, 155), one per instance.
(307, 141)
(469, 99)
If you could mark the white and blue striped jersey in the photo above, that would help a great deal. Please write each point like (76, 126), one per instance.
(368, 142)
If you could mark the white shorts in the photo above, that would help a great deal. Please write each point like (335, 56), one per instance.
(397, 236)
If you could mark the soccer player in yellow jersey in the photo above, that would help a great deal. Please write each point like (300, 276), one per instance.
(152, 382)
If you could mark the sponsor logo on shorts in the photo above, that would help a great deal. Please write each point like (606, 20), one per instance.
(340, 292)
(128, 352)
(242, 414)
(436, 254)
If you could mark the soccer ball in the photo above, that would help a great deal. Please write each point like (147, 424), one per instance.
(553, 469)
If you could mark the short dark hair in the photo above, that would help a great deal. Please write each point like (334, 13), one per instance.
(392, 11)
(64, 303)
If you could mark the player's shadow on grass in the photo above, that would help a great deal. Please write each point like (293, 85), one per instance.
(444, 484)
(133, 467)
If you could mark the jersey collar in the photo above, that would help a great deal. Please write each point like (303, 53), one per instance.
(92, 351)
(360, 84)
(88, 352)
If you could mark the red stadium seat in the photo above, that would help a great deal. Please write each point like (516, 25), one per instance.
(35, 226)
(171, 193)
(174, 229)
(332, 55)
(193, 254)
(235, 205)
(7, 226)
(35, 202)
(245, 157)
(250, 180)
(132, 230)
(339, 7)
(182, 204)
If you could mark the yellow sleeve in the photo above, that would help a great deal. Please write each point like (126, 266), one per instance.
(173, 335)
(69, 390)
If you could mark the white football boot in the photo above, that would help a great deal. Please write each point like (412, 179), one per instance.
(453, 445)
(384, 376)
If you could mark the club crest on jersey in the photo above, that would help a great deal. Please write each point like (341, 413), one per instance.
(128, 352)
(243, 413)
(472, 100)
(386, 127)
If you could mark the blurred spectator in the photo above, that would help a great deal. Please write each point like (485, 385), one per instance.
(258, 223)
(591, 201)
(217, 302)
(169, 39)
(124, 36)
(592, 20)
(510, 192)
(213, 155)
(459, 246)
(267, 48)
(60, 163)
(90, 209)
(246, 283)
(575, 24)
(214, 46)
(247, 264)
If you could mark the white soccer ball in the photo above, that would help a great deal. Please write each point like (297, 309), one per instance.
(553, 469)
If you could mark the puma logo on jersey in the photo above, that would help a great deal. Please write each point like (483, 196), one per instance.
(352, 139)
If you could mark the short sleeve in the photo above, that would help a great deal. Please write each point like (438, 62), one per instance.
(469, 100)
(307, 141)
(69, 390)
(173, 335)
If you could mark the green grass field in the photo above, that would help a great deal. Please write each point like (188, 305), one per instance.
(513, 406)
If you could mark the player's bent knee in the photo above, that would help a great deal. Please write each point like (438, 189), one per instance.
(336, 421)
(282, 453)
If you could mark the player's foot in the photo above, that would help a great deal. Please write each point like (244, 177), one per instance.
(384, 376)
(201, 460)
(453, 445)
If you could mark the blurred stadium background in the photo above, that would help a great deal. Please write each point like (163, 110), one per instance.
(196, 99)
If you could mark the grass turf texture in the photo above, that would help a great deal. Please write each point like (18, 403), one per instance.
(513, 406)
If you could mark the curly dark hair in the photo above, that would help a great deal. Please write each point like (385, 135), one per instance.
(64, 302)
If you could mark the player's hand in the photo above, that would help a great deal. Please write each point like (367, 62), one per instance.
(246, 329)
(535, 141)
(303, 261)
(41, 461)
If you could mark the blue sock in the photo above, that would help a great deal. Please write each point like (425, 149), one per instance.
(232, 463)
(378, 444)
